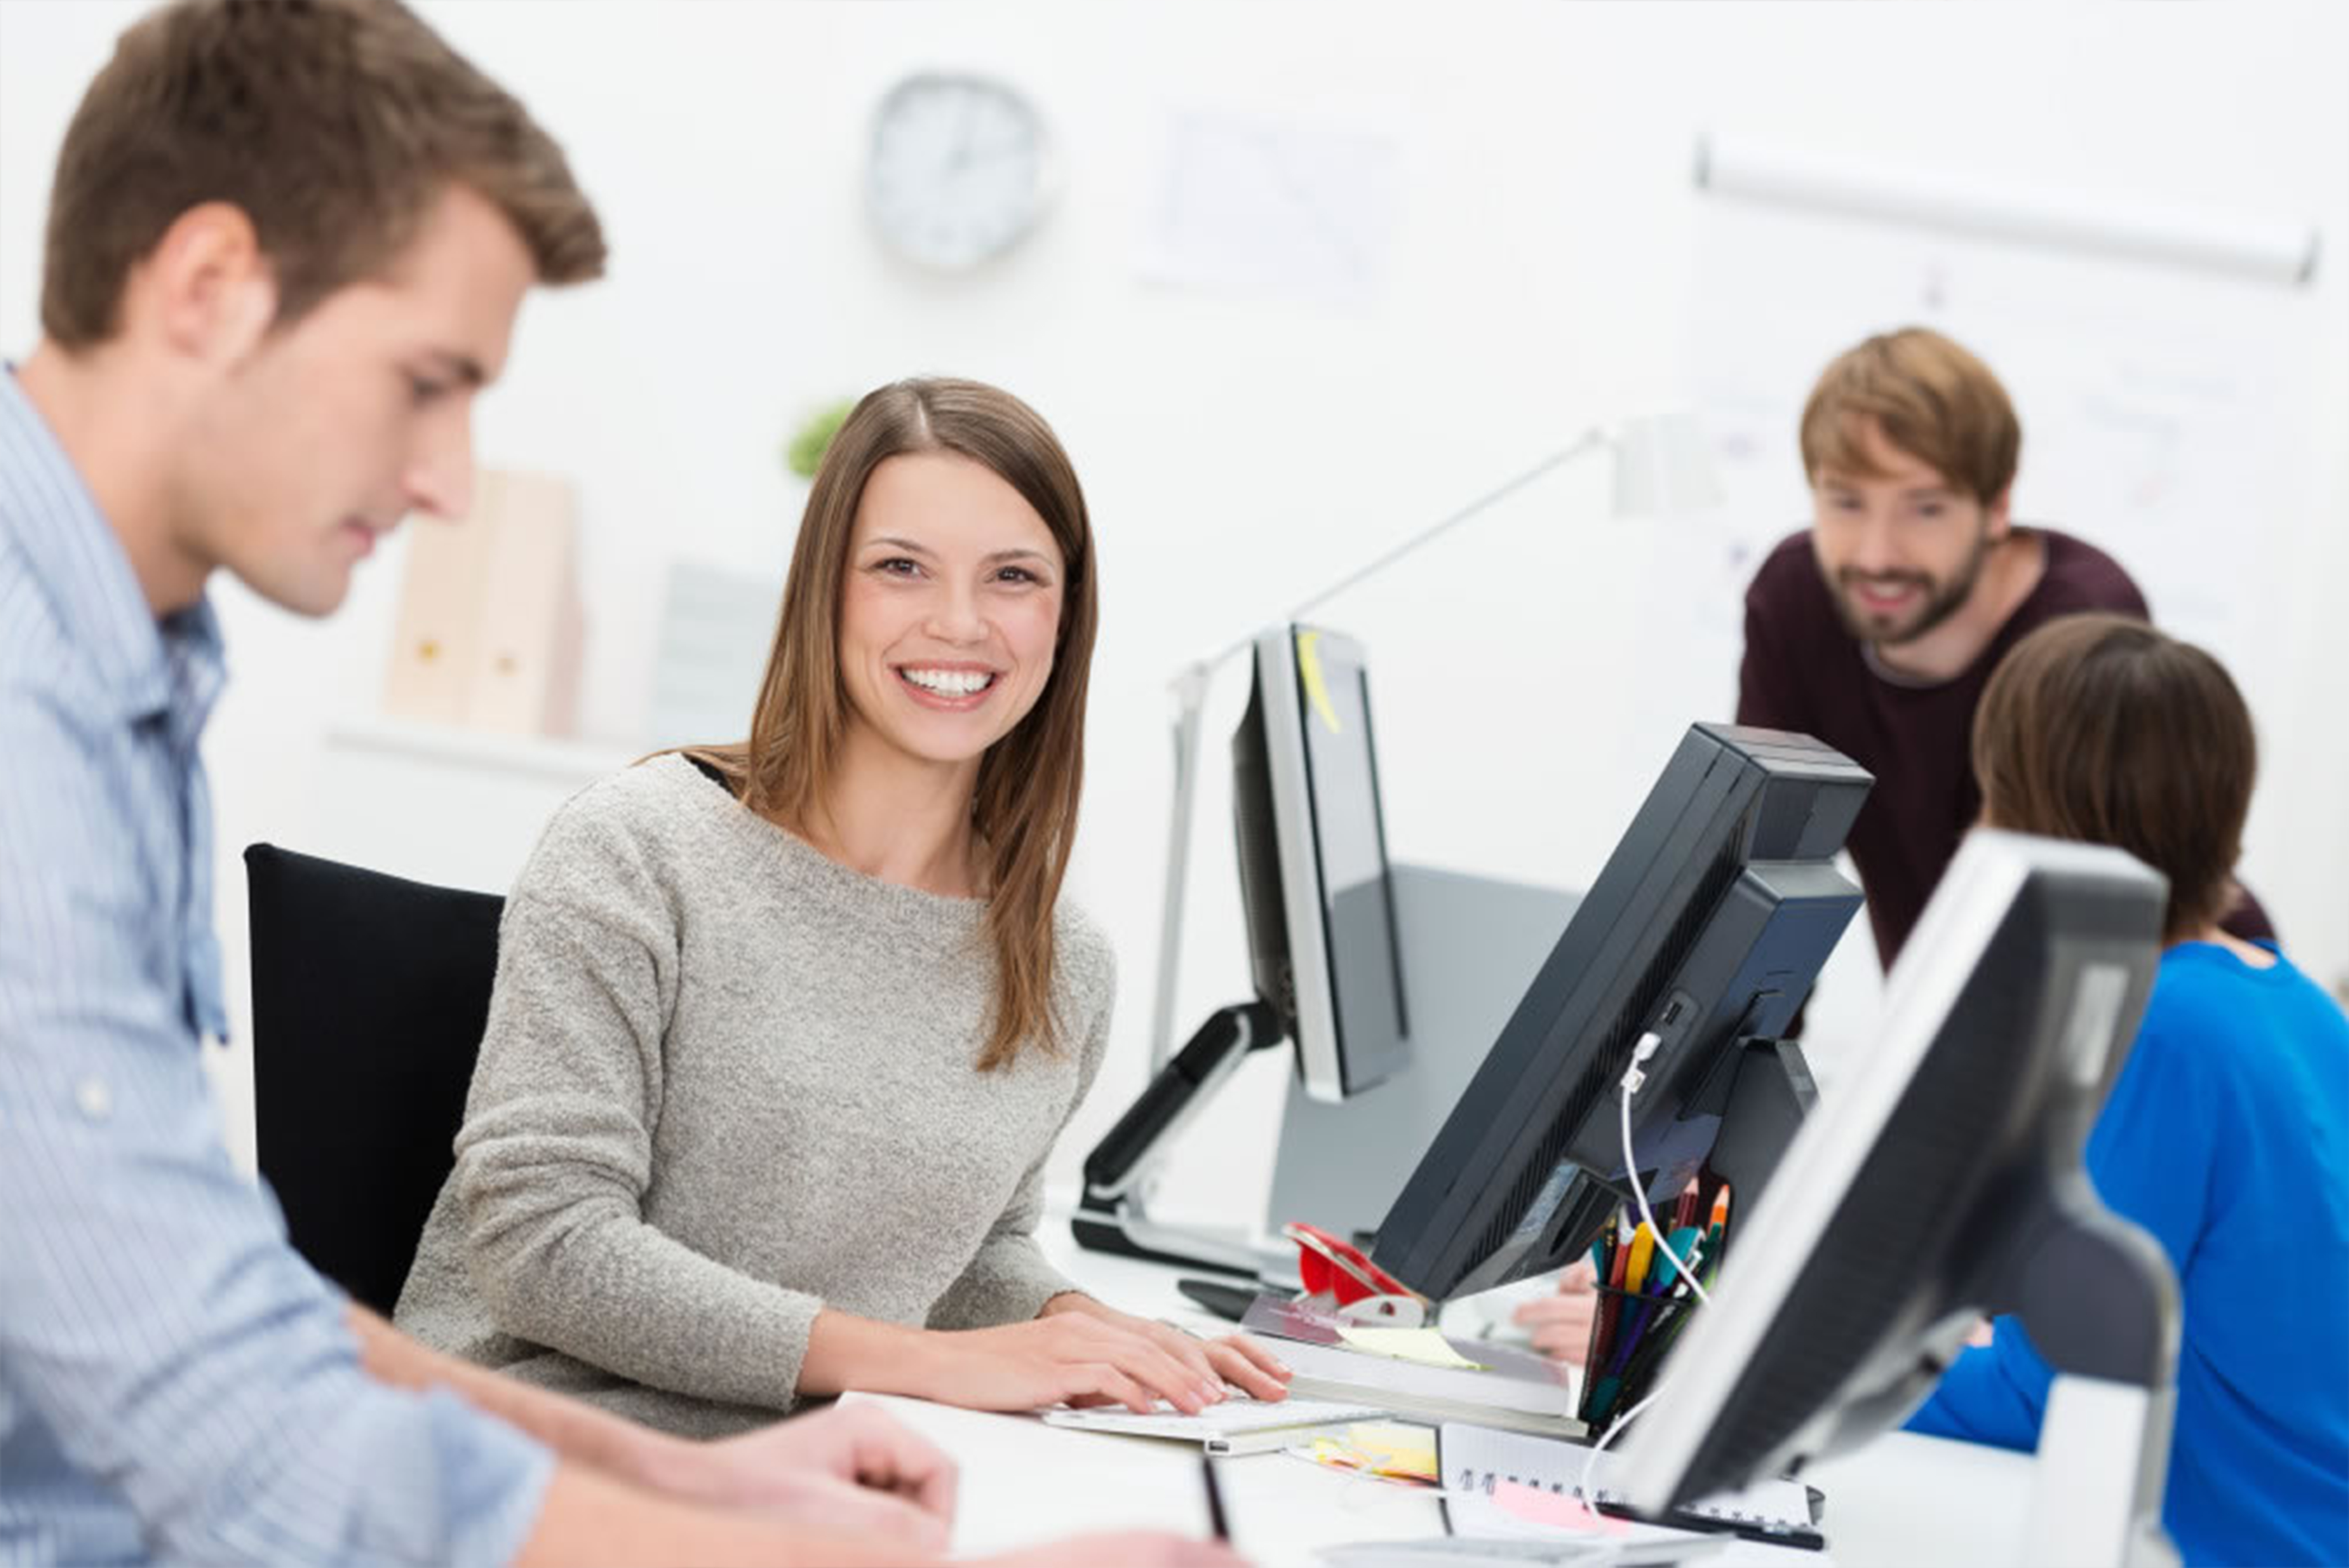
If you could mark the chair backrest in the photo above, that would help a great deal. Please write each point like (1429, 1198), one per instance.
(370, 996)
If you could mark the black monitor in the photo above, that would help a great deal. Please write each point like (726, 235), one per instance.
(1944, 1181)
(1314, 883)
(1707, 927)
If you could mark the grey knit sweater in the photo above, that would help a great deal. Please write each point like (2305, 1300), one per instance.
(728, 1081)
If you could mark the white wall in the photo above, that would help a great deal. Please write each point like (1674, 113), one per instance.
(1237, 450)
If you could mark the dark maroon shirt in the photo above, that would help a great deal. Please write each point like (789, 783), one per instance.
(1804, 671)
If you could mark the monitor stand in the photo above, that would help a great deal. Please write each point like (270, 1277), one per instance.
(2097, 1486)
(2101, 1302)
(1113, 1212)
(1470, 946)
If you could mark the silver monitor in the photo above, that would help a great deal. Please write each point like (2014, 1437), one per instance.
(1322, 937)
(1314, 878)
(1943, 1180)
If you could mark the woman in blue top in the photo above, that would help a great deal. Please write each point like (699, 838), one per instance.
(2227, 1133)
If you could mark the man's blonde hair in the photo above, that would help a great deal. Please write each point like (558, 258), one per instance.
(1930, 399)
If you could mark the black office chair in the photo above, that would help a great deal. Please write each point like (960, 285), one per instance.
(370, 996)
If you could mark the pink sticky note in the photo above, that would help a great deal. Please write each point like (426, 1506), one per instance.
(1559, 1509)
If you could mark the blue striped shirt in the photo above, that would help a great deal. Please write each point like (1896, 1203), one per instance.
(176, 1385)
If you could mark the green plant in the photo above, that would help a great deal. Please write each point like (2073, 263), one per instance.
(803, 453)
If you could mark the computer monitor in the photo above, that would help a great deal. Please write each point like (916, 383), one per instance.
(1324, 944)
(1707, 927)
(1944, 1181)
(1314, 882)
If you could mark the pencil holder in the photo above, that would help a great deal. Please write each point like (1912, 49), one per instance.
(1629, 1336)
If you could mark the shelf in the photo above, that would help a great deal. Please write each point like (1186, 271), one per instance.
(542, 758)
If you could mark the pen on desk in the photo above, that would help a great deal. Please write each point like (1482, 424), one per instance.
(1216, 1521)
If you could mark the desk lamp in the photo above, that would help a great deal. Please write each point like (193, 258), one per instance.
(1662, 467)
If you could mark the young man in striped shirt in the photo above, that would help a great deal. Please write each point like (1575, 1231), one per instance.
(286, 247)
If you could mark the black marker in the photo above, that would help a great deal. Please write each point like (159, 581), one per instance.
(1214, 1500)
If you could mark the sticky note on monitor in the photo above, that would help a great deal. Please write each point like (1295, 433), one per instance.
(1424, 1346)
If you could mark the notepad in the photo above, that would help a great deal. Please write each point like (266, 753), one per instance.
(1424, 1346)
(1478, 1460)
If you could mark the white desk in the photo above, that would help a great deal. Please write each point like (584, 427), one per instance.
(1905, 1500)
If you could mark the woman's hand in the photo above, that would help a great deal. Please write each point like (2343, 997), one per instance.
(1560, 1321)
(1072, 1358)
(1236, 1359)
(1076, 1351)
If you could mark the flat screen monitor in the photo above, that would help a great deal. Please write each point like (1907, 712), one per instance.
(1707, 927)
(1947, 1169)
(1314, 882)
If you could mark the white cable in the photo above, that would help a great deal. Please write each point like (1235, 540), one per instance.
(1590, 1460)
(1633, 1077)
(1632, 1080)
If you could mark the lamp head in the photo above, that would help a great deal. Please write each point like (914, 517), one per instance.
(1664, 466)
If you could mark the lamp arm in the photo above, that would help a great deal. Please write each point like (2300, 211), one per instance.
(1190, 691)
(1596, 436)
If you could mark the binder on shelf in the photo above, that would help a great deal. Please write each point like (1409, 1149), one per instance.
(433, 638)
(490, 629)
(526, 651)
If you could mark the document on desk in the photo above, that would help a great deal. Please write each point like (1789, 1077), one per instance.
(1234, 1427)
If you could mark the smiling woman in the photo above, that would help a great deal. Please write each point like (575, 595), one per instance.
(784, 1029)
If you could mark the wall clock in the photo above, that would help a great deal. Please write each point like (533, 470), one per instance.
(961, 168)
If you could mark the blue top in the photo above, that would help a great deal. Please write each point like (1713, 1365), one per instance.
(2227, 1137)
(175, 1382)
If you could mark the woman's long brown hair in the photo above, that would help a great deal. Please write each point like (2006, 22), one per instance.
(1024, 808)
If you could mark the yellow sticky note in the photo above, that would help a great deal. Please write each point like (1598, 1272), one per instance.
(1317, 685)
(1395, 1449)
(1424, 1345)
